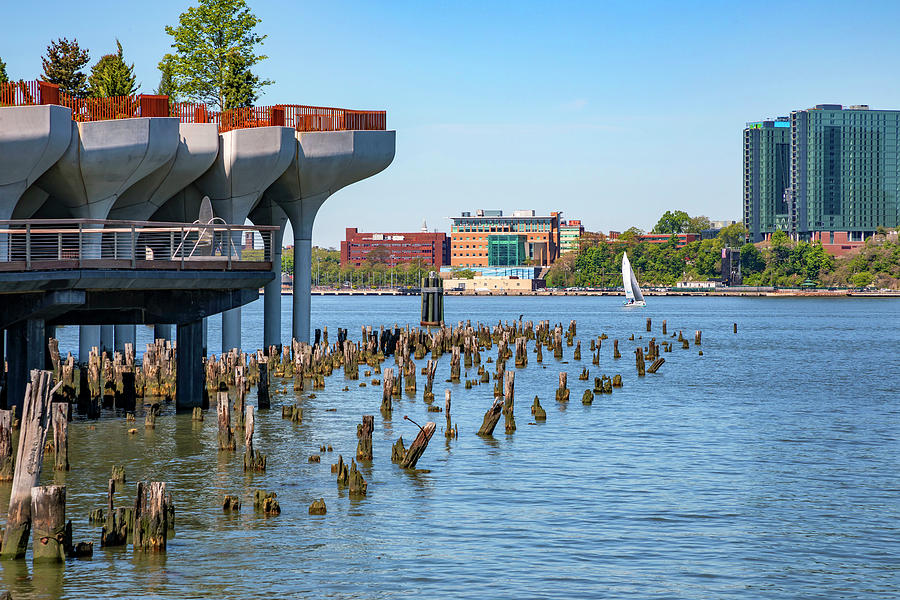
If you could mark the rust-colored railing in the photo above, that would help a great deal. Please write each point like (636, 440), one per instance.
(301, 118)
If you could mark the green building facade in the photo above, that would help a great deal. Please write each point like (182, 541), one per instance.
(767, 164)
(506, 250)
(844, 169)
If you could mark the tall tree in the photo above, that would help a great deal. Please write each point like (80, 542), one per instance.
(240, 83)
(112, 77)
(3, 77)
(63, 65)
(206, 36)
(676, 221)
(698, 224)
(167, 85)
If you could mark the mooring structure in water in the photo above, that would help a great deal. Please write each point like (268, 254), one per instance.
(432, 300)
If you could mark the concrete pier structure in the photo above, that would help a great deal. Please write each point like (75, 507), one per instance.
(325, 163)
(249, 160)
(113, 179)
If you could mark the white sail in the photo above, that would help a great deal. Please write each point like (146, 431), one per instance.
(629, 282)
(627, 276)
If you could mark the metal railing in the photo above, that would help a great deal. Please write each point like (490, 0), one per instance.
(51, 244)
(301, 118)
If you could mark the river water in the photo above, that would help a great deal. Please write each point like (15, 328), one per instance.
(766, 468)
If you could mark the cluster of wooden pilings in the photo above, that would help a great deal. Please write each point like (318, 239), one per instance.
(147, 519)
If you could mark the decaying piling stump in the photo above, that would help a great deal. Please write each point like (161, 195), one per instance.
(639, 360)
(398, 451)
(318, 507)
(617, 381)
(450, 431)
(587, 397)
(48, 513)
(562, 393)
(29, 460)
(491, 417)
(266, 503)
(356, 484)
(364, 433)
(387, 392)
(197, 414)
(150, 517)
(253, 460)
(60, 436)
(226, 436)
(735, 327)
(656, 365)
(577, 354)
(117, 523)
(430, 368)
(118, 473)
(538, 411)
(150, 417)
(231, 503)
(509, 401)
(616, 353)
(417, 448)
(7, 459)
(664, 327)
(697, 335)
(648, 324)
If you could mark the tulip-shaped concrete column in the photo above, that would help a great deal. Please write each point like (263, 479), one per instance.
(198, 145)
(249, 160)
(32, 138)
(325, 163)
(103, 161)
(267, 212)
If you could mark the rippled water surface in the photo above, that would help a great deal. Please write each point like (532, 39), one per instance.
(766, 468)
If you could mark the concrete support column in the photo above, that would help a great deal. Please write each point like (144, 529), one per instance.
(302, 282)
(125, 334)
(88, 337)
(26, 352)
(107, 339)
(189, 374)
(162, 332)
(205, 337)
(272, 298)
(231, 329)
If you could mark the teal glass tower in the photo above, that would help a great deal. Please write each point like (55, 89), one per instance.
(767, 163)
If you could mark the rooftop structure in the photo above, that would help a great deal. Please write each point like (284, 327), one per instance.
(394, 248)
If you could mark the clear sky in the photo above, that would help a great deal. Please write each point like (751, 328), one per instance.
(611, 112)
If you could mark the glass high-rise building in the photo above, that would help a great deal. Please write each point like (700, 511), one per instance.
(826, 172)
(844, 169)
(767, 164)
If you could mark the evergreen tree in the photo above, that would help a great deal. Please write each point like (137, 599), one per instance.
(63, 65)
(3, 77)
(167, 85)
(112, 77)
(208, 37)
(240, 83)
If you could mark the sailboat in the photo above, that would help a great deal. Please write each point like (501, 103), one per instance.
(633, 295)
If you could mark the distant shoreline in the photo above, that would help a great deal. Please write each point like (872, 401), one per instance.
(737, 292)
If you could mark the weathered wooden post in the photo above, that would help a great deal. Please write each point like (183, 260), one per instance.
(364, 433)
(562, 393)
(735, 327)
(48, 513)
(697, 336)
(417, 448)
(150, 517)
(538, 411)
(509, 401)
(118, 521)
(29, 460)
(664, 327)
(450, 431)
(430, 368)
(491, 417)
(656, 365)
(639, 360)
(60, 436)
(223, 410)
(387, 391)
(616, 353)
(7, 460)
(253, 460)
(648, 323)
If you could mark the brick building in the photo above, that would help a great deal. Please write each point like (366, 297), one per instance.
(490, 239)
(394, 248)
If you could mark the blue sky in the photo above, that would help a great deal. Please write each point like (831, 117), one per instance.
(609, 112)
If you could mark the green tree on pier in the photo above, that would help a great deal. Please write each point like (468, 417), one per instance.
(63, 65)
(215, 49)
(167, 85)
(4, 78)
(111, 76)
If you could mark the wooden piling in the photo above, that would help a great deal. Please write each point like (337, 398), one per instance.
(387, 391)
(29, 460)
(648, 324)
(450, 431)
(509, 401)
(253, 459)
(491, 417)
(150, 517)
(656, 365)
(223, 411)
(48, 510)
(60, 414)
(417, 448)
(7, 459)
(538, 411)
(364, 434)
(562, 393)
(616, 353)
